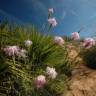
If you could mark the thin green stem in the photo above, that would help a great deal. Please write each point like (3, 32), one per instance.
(13, 59)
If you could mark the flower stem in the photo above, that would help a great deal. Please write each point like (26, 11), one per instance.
(13, 59)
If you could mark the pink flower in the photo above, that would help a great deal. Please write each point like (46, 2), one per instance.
(50, 10)
(58, 40)
(75, 36)
(89, 42)
(51, 72)
(40, 81)
(11, 50)
(52, 21)
(28, 43)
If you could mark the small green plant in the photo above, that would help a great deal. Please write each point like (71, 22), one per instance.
(89, 57)
(17, 74)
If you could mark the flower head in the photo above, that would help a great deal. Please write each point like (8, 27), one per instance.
(58, 40)
(51, 72)
(52, 21)
(11, 50)
(50, 10)
(22, 53)
(89, 42)
(28, 43)
(75, 36)
(40, 81)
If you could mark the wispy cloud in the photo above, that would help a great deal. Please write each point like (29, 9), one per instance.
(40, 5)
(37, 5)
(73, 13)
(92, 17)
(9, 16)
(63, 15)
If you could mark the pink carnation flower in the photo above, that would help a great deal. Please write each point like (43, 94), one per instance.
(89, 42)
(28, 43)
(40, 81)
(51, 72)
(58, 40)
(50, 10)
(11, 50)
(75, 36)
(52, 21)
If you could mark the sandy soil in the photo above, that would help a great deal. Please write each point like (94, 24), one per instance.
(83, 80)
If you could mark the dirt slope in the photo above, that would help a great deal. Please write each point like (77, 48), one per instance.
(83, 80)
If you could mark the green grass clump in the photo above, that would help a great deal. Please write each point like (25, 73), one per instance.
(18, 79)
(89, 57)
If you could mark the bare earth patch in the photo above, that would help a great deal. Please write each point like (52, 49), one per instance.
(83, 82)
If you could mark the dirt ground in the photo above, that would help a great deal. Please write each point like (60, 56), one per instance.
(83, 80)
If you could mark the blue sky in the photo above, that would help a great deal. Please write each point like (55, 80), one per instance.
(71, 15)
